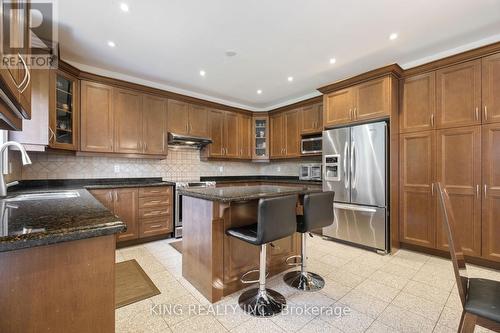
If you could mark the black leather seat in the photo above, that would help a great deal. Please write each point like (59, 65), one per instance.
(318, 213)
(483, 299)
(276, 219)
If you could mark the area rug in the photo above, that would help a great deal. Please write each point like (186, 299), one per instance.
(132, 284)
(177, 245)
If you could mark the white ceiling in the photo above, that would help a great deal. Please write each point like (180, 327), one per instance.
(167, 43)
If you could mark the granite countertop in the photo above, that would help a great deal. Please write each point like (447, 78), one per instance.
(259, 178)
(65, 219)
(243, 193)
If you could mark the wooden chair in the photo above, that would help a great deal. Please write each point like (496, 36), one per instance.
(480, 297)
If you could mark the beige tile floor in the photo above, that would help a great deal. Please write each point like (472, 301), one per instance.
(405, 292)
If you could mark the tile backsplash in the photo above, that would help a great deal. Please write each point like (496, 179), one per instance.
(179, 165)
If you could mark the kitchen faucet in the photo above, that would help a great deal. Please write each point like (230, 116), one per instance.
(25, 158)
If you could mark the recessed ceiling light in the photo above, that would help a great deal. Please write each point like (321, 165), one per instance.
(124, 7)
(259, 91)
(111, 43)
(393, 36)
(290, 78)
(231, 53)
(333, 60)
(202, 73)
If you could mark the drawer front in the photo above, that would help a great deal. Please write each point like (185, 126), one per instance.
(148, 202)
(155, 191)
(149, 213)
(156, 226)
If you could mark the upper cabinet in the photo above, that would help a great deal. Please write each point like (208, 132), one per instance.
(491, 88)
(260, 137)
(17, 77)
(368, 100)
(115, 120)
(64, 105)
(459, 95)
(285, 134)
(187, 119)
(97, 124)
(418, 105)
(230, 134)
(311, 119)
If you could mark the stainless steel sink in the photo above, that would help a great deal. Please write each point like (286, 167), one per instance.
(45, 196)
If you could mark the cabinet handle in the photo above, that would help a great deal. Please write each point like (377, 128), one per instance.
(477, 113)
(116, 196)
(485, 112)
(477, 191)
(155, 226)
(355, 112)
(485, 190)
(28, 74)
(432, 120)
(52, 135)
(350, 114)
(432, 189)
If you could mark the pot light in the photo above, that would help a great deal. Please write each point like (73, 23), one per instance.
(290, 78)
(259, 92)
(393, 36)
(332, 61)
(111, 43)
(124, 7)
(202, 73)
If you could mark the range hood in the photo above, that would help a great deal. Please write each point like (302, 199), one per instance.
(188, 141)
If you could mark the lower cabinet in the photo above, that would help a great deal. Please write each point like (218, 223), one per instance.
(147, 211)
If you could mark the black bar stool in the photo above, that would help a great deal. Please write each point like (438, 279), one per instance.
(318, 213)
(276, 219)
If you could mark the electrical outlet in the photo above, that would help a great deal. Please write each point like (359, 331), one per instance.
(221, 169)
(117, 168)
(278, 169)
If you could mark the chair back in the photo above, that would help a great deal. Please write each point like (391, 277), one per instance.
(318, 210)
(276, 218)
(456, 253)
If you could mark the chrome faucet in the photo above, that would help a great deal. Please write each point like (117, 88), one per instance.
(25, 158)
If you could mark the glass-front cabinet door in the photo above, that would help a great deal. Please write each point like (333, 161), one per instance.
(260, 137)
(63, 133)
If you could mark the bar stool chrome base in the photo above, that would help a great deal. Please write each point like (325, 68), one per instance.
(305, 281)
(260, 303)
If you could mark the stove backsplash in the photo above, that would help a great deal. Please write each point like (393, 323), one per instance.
(179, 165)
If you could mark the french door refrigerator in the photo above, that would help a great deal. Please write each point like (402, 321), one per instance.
(355, 167)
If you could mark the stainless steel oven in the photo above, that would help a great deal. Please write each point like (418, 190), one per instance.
(311, 145)
(178, 202)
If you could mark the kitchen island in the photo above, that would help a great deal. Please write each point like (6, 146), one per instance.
(213, 262)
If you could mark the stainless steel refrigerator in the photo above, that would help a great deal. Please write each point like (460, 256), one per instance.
(355, 167)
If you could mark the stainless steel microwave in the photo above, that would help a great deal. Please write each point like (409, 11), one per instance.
(311, 145)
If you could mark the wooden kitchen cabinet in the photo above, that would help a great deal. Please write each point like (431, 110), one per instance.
(338, 107)
(198, 120)
(417, 196)
(178, 115)
(97, 123)
(491, 88)
(491, 192)
(154, 125)
(64, 115)
(226, 136)
(276, 129)
(125, 206)
(459, 171)
(232, 149)
(245, 136)
(418, 105)
(292, 133)
(217, 133)
(260, 137)
(128, 128)
(311, 118)
(458, 95)
(373, 99)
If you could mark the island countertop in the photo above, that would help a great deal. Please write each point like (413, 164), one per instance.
(244, 193)
(64, 219)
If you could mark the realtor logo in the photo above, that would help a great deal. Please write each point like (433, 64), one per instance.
(28, 30)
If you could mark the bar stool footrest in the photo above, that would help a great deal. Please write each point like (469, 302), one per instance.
(289, 262)
(242, 279)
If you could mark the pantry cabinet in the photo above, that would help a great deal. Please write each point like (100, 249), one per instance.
(418, 106)
(491, 88)
(418, 197)
(458, 95)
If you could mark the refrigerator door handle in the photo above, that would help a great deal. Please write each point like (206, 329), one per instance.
(354, 208)
(353, 163)
(346, 151)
